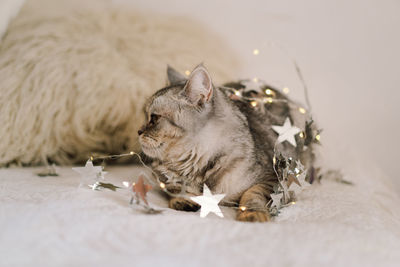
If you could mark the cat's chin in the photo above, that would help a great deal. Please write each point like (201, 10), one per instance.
(151, 151)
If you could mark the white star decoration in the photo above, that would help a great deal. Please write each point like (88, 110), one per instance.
(284, 189)
(208, 202)
(286, 132)
(90, 174)
(299, 165)
(295, 188)
(101, 175)
(276, 200)
(302, 180)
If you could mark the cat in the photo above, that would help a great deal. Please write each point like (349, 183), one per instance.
(197, 133)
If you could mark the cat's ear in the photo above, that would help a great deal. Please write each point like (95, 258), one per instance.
(174, 76)
(199, 88)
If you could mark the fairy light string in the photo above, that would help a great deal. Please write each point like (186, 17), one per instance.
(163, 187)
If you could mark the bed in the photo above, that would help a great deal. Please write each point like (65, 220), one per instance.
(51, 221)
(343, 220)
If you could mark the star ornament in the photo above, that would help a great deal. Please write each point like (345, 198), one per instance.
(276, 200)
(294, 187)
(299, 165)
(285, 190)
(286, 132)
(302, 180)
(89, 173)
(293, 184)
(141, 189)
(209, 202)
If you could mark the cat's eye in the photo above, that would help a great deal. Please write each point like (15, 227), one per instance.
(154, 118)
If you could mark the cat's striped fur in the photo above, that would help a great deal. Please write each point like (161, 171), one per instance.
(198, 134)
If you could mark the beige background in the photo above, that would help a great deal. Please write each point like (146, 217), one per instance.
(349, 55)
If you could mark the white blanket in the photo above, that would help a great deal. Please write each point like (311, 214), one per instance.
(48, 221)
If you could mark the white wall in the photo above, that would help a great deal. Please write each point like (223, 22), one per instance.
(349, 54)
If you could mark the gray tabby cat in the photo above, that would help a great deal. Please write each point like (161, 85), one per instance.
(201, 134)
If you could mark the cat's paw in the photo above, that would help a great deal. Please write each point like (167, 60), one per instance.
(178, 203)
(173, 188)
(253, 216)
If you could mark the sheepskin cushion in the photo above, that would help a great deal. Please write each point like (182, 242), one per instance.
(74, 76)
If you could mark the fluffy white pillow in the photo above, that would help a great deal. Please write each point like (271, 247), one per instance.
(75, 74)
(8, 9)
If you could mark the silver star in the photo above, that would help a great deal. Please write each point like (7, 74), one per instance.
(299, 165)
(295, 188)
(101, 174)
(302, 179)
(89, 173)
(208, 202)
(286, 132)
(276, 200)
(285, 190)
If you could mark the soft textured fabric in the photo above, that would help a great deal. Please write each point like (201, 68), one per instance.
(75, 74)
(8, 9)
(48, 221)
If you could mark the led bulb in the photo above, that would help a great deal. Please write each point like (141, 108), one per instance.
(286, 90)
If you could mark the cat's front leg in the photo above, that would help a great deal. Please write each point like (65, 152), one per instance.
(172, 184)
(253, 204)
(179, 203)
